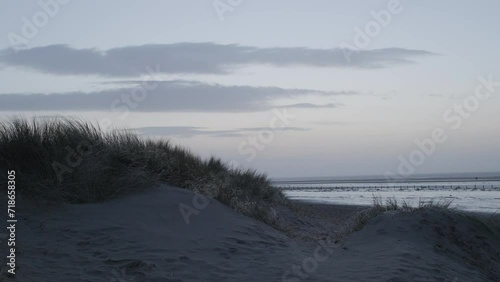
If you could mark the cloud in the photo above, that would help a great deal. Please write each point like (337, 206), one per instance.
(163, 96)
(312, 106)
(194, 58)
(189, 131)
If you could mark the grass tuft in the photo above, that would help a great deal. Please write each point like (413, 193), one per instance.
(392, 205)
(67, 160)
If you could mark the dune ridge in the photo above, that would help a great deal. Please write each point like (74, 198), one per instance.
(143, 237)
(142, 210)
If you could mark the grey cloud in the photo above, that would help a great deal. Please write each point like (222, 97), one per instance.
(168, 96)
(189, 131)
(195, 58)
(183, 131)
(312, 106)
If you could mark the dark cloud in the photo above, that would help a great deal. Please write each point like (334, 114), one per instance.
(195, 58)
(163, 96)
(189, 131)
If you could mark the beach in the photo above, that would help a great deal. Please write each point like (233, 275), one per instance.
(134, 209)
(145, 237)
(473, 192)
(249, 141)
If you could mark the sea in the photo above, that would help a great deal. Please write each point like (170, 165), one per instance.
(477, 192)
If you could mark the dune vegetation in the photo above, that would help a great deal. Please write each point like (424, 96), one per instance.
(66, 160)
(392, 205)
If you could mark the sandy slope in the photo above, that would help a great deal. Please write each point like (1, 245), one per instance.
(145, 238)
(421, 246)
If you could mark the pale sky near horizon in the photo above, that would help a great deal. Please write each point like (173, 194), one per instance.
(220, 76)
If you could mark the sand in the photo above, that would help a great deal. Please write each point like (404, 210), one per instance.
(144, 237)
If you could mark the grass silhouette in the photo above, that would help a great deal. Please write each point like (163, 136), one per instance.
(67, 160)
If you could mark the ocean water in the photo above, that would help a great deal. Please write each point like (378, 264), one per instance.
(469, 192)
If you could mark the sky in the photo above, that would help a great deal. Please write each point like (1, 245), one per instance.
(291, 88)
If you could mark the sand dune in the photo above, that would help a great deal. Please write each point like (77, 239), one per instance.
(421, 246)
(144, 237)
